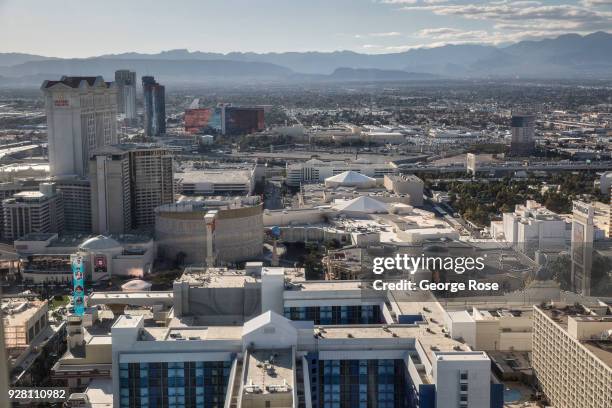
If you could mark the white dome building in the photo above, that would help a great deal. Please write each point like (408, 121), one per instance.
(350, 179)
(101, 243)
(105, 256)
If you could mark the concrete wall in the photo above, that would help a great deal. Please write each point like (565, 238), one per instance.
(225, 305)
(447, 377)
(518, 341)
(238, 235)
(296, 216)
(412, 186)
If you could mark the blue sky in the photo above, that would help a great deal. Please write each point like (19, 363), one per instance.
(82, 28)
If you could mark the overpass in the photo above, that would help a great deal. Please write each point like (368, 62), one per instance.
(509, 167)
(12, 149)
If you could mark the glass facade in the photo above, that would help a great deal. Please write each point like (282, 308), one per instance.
(191, 384)
(361, 384)
(244, 120)
(366, 314)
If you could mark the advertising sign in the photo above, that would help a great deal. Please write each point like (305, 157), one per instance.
(100, 265)
(78, 280)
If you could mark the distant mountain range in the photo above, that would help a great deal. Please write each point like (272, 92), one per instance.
(567, 56)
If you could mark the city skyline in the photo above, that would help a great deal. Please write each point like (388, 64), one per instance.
(365, 26)
(196, 210)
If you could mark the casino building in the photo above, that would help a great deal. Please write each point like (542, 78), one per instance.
(265, 337)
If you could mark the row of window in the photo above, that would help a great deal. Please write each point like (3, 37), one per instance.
(174, 385)
(361, 384)
(366, 314)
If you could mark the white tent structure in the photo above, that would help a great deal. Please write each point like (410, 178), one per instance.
(350, 179)
(136, 285)
(363, 204)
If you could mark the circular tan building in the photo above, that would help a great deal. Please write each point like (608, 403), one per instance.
(210, 229)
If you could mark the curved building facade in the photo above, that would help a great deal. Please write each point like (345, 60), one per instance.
(117, 255)
(184, 230)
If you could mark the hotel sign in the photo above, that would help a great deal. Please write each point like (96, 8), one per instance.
(61, 102)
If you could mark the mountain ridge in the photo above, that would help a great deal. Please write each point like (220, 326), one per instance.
(566, 56)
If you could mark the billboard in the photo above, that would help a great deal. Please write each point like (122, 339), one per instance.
(100, 265)
(202, 120)
(233, 120)
(78, 282)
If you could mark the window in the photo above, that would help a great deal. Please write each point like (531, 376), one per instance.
(362, 384)
(174, 384)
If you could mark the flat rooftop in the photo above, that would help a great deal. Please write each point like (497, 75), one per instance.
(404, 177)
(270, 370)
(29, 194)
(37, 236)
(326, 285)
(17, 311)
(206, 203)
(76, 239)
(131, 295)
(560, 314)
(127, 321)
(14, 167)
(100, 340)
(191, 333)
(465, 356)
(602, 349)
(128, 147)
(215, 277)
(216, 176)
(100, 393)
(431, 337)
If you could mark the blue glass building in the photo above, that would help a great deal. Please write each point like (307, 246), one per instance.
(363, 314)
(188, 384)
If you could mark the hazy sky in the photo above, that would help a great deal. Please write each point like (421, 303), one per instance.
(82, 28)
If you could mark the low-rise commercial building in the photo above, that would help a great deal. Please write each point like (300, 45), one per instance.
(360, 221)
(214, 182)
(46, 257)
(492, 330)
(316, 171)
(531, 227)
